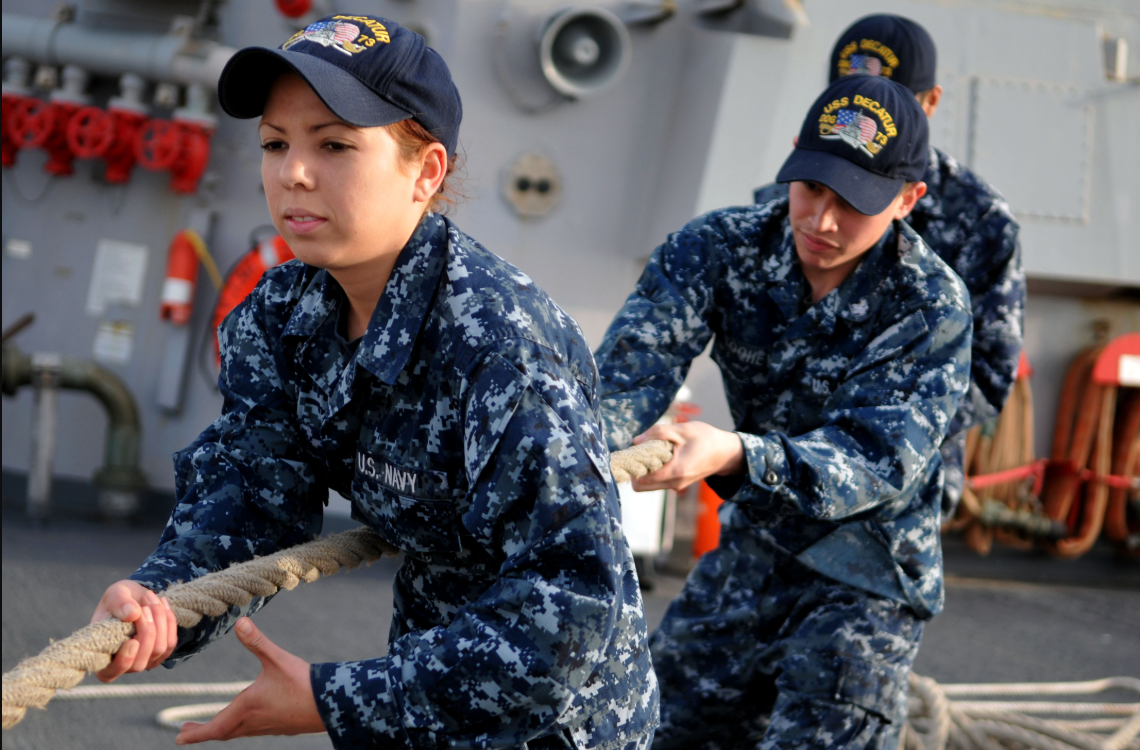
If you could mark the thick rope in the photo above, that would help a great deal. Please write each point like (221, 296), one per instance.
(63, 664)
(639, 460)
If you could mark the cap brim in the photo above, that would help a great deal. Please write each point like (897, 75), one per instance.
(245, 82)
(867, 192)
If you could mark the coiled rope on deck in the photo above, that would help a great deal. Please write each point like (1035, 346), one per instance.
(937, 722)
(63, 664)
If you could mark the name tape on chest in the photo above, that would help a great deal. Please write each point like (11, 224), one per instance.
(745, 353)
(399, 478)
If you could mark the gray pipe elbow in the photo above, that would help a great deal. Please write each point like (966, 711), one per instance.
(120, 471)
(16, 370)
(123, 430)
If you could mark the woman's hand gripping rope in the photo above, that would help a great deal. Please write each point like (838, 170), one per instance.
(63, 664)
(156, 628)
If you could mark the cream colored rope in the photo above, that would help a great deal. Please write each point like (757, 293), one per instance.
(63, 664)
(639, 460)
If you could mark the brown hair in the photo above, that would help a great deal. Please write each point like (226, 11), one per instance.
(413, 139)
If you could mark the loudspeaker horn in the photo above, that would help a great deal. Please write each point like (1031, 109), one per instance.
(584, 51)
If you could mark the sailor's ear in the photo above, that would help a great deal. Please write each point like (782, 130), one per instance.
(910, 195)
(929, 99)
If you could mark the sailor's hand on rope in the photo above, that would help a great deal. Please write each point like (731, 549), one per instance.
(699, 450)
(279, 702)
(156, 628)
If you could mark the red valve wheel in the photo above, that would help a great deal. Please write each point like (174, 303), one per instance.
(32, 123)
(90, 132)
(159, 144)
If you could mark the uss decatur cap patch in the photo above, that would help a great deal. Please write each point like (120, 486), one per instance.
(889, 46)
(370, 71)
(864, 137)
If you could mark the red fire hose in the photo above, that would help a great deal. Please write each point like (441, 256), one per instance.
(1063, 502)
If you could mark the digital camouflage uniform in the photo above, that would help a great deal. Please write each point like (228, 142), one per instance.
(464, 427)
(811, 609)
(970, 226)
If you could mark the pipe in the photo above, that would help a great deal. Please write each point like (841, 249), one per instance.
(995, 513)
(120, 479)
(160, 57)
(46, 382)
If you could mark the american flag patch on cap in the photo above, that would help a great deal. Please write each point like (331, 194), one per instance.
(865, 64)
(856, 125)
(326, 33)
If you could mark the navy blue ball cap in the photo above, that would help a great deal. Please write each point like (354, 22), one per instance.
(368, 70)
(890, 46)
(864, 138)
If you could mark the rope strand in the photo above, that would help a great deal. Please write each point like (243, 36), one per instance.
(63, 664)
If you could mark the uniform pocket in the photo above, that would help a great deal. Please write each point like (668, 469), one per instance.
(747, 364)
(410, 508)
(878, 688)
(904, 340)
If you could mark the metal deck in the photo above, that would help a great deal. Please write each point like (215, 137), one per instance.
(1081, 626)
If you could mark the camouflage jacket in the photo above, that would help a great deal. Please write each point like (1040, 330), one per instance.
(464, 428)
(969, 225)
(840, 405)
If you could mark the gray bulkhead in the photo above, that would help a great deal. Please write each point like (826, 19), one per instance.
(700, 118)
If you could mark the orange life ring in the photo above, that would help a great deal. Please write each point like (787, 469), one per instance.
(244, 277)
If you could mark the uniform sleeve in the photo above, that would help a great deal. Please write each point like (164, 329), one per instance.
(244, 488)
(883, 425)
(994, 276)
(510, 663)
(651, 343)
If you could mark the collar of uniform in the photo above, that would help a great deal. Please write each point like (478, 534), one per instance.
(933, 172)
(785, 281)
(933, 179)
(324, 353)
(852, 299)
(854, 295)
(320, 298)
(407, 297)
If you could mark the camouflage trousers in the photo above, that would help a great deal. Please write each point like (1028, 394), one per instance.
(760, 651)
